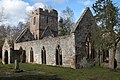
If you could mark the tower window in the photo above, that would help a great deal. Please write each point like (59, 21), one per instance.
(34, 21)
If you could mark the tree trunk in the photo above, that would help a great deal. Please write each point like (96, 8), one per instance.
(112, 57)
(101, 57)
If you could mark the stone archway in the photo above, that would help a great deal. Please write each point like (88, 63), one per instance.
(6, 57)
(58, 56)
(43, 55)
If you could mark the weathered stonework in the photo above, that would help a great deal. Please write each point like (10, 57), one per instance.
(85, 25)
(72, 46)
(105, 60)
(41, 44)
(117, 57)
(7, 52)
(66, 43)
(41, 19)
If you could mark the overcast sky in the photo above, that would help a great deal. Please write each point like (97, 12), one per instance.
(16, 10)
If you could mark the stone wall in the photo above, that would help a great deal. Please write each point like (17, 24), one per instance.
(66, 43)
(117, 57)
(73, 46)
(41, 19)
(86, 25)
(6, 49)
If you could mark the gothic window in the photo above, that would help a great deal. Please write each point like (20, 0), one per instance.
(23, 56)
(34, 21)
(58, 56)
(36, 37)
(87, 47)
(31, 55)
(11, 55)
(6, 57)
(105, 56)
(43, 55)
(20, 50)
(19, 54)
(90, 52)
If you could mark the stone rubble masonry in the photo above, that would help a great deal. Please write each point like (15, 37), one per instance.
(41, 19)
(72, 46)
(6, 47)
(67, 44)
(86, 25)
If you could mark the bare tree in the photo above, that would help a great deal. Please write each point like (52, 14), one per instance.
(2, 15)
(2, 26)
(66, 21)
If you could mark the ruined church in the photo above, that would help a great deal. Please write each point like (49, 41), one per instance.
(40, 44)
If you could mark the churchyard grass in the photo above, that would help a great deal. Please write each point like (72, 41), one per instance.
(44, 72)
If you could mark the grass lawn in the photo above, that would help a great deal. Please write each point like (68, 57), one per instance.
(43, 72)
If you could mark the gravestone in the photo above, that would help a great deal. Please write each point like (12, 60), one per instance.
(16, 64)
(16, 55)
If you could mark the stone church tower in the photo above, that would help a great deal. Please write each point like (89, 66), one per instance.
(42, 20)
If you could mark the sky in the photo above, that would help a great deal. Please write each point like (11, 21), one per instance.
(16, 10)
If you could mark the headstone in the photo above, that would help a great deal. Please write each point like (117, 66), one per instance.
(16, 65)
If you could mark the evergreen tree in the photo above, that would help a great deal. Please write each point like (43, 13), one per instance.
(107, 17)
(62, 27)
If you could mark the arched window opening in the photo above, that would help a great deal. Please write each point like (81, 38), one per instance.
(20, 50)
(36, 37)
(23, 56)
(90, 52)
(58, 56)
(88, 47)
(20, 53)
(43, 55)
(105, 56)
(31, 55)
(6, 57)
(11, 55)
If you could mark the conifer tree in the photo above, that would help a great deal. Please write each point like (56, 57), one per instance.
(107, 17)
